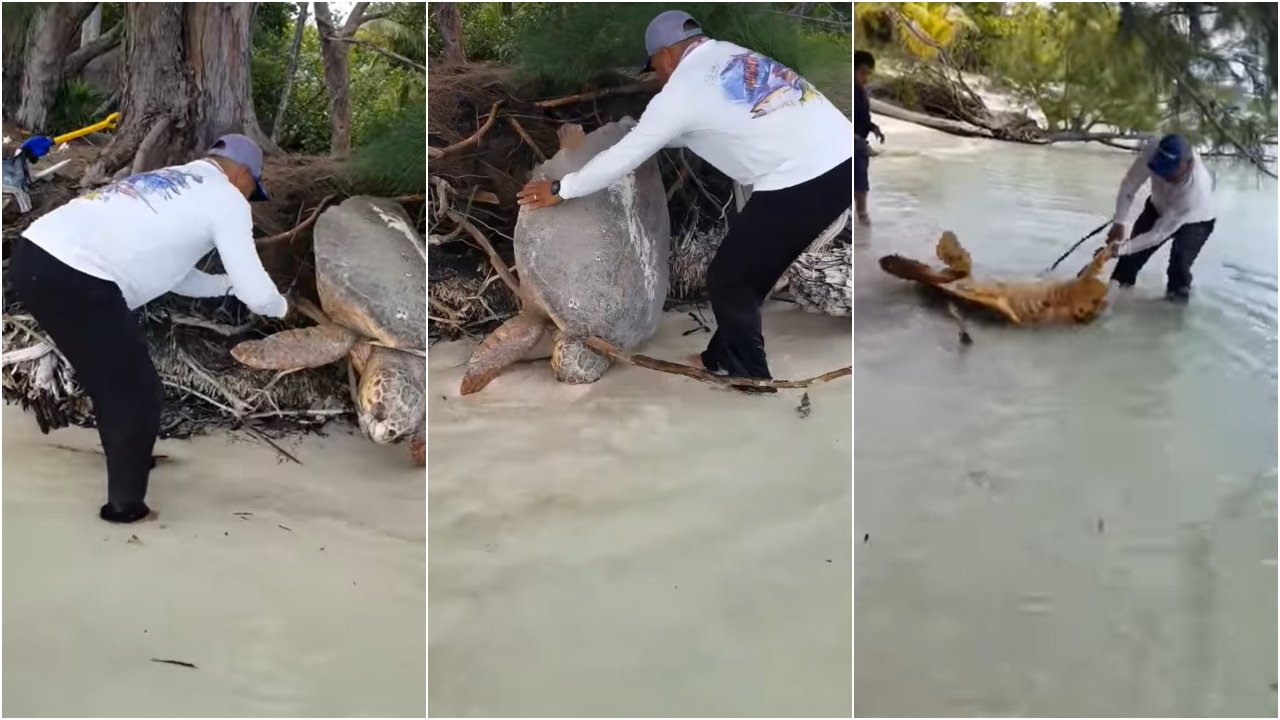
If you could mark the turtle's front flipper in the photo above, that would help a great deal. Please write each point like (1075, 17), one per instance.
(292, 349)
(510, 342)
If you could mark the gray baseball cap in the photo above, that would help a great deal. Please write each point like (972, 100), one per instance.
(242, 149)
(666, 30)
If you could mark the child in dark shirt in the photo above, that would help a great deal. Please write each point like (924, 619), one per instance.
(863, 63)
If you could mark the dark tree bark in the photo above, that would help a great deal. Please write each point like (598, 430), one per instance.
(186, 81)
(52, 35)
(449, 20)
(102, 43)
(291, 71)
(336, 51)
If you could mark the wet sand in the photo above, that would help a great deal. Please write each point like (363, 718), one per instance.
(648, 545)
(324, 618)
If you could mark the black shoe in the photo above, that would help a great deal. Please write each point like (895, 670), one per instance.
(132, 513)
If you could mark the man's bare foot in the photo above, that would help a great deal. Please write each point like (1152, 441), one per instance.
(695, 361)
(864, 219)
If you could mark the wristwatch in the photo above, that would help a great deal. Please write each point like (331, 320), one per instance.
(555, 188)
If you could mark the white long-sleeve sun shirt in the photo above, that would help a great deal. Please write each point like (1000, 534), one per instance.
(145, 233)
(749, 116)
(1182, 203)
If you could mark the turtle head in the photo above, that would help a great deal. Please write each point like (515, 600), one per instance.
(391, 401)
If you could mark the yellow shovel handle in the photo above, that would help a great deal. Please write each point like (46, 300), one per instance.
(109, 123)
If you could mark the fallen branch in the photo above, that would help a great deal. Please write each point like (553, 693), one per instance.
(644, 86)
(381, 51)
(689, 371)
(291, 234)
(221, 329)
(437, 153)
(515, 125)
(498, 263)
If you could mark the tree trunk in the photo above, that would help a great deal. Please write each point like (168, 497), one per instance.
(186, 81)
(14, 63)
(50, 39)
(290, 72)
(336, 54)
(218, 40)
(104, 42)
(91, 28)
(449, 20)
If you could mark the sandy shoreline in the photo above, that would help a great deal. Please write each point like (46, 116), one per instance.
(322, 619)
(645, 545)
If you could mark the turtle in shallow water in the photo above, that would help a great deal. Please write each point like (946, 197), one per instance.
(1045, 301)
(371, 279)
(594, 266)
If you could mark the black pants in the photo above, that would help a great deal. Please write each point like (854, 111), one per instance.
(1187, 242)
(88, 320)
(861, 161)
(770, 233)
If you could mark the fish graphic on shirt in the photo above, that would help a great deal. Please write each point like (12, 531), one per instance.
(764, 83)
(164, 184)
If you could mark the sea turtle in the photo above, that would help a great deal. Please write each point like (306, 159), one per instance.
(1046, 301)
(595, 265)
(371, 279)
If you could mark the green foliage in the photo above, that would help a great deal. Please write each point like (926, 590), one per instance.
(392, 157)
(1065, 60)
(563, 46)
(381, 89)
(74, 106)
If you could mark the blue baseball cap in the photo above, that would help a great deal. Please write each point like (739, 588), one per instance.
(1170, 153)
(242, 149)
(666, 30)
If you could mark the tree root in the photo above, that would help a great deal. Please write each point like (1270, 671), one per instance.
(645, 86)
(291, 234)
(437, 153)
(498, 263)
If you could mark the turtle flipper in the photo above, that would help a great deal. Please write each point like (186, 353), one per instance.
(510, 342)
(571, 136)
(292, 349)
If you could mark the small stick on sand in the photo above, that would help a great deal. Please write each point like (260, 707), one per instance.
(689, 371)
(181, 663)
(437, 153)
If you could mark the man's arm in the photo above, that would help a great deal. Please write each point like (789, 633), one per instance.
(199, 284)
(250, 282)
(661, 123)
(1134, 179)
(1165, 226)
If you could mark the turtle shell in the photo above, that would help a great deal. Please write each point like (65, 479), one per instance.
(371, 271)
(599, 262)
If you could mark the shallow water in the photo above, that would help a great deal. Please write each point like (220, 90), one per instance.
(1074, 521)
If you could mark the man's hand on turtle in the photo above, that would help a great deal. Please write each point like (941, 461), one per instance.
(879, 135)
(537, 194)
(1116, 234)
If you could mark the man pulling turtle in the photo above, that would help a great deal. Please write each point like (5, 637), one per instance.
(760, 123)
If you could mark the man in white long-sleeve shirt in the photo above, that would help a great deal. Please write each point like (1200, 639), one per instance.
(81, 269)
(760, 123)
(1180, 207)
